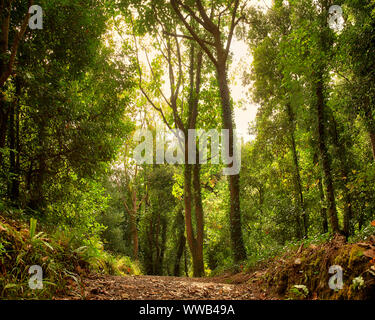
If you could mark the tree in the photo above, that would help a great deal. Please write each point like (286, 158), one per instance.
(355, 60)
(276, 90)
(217, 49)
(9, 44)
(66, 107)
(133, 209)
(191, 171)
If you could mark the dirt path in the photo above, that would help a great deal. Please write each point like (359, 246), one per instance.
(104, 287)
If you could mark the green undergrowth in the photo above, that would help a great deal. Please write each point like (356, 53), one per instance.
(300, 270)
(257, 258)
(63, 260)
(304, 274)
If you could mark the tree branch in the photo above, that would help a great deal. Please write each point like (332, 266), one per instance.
(187, 37)
(4, 77)
(208, 24)
(232, 27)
(140, 81)
(193, 33)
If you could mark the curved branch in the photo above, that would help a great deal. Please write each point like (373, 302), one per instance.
(193, 33)
(9, 69)
(232, 27)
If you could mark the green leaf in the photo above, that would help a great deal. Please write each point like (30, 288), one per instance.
(32, 227)
(10, 285)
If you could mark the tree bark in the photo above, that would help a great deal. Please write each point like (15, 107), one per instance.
(4, 114)
(199, 218)
(220, 62)
(341, 154)
(162, 224)
(185, 263)
(14, 146)
(133, 219)
(7, 60)
(195, 248)
(134, 229)
(372, 140)
(181, 244)
(234, 180)
(180, 252)
(369, 121)
(325, 160)
(132, 211)
(297, 174)
(323, 209)
(192, 187)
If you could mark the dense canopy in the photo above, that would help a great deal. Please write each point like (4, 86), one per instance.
(76, 91)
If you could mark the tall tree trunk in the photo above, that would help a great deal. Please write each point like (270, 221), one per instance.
(192, 240)
(37, 199)
(161, 241)
(297, 171)
(14, 146)
(192, 172)
(341, 154)
(185, 263)
(4, 39)
(326, 163)
(325, 45)
(132, 211)
(4, 114)
(180, 251)
(180, 225)
(148, 255)
(323, 209)
(372, 140)
(199, 218)
(133, 219)
(369, 121)
(234, 180)
(8, 53)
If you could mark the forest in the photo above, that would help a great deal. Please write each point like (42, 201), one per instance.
(187, 149)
